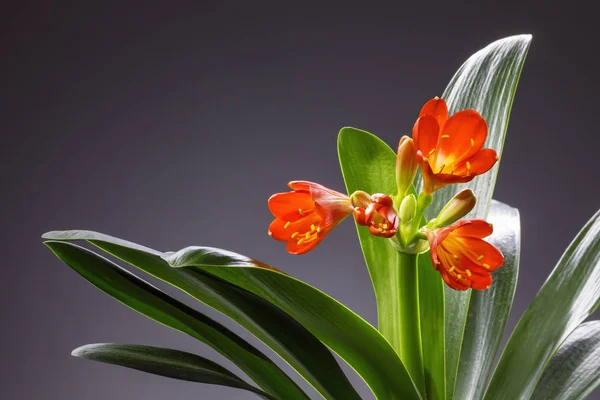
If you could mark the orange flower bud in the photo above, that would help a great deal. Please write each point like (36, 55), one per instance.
(458, 206)
(407, 162)
(379, 216)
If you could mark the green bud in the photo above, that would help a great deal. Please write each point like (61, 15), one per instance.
(458, 206)
(407, 212)
(408, 209)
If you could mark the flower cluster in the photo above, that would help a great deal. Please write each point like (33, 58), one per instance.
(449, 150)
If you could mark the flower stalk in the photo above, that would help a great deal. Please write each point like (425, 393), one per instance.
(409, 345)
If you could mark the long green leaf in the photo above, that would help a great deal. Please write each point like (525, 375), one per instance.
(348, 335)
(489, 309)
(290, 340)
(369, 164)
(165, 362)
(567, 298)
(486, 82)
(574, 371)
(155, 304)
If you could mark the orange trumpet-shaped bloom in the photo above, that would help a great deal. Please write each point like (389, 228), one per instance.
(306, 215)
(461, 255)
(452, 148)
(379, 216)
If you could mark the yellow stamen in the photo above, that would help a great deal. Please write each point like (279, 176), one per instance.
(287, 224)
(480, 258)
(300, 241)
(459, 276)
(312, 238)
(452, 269)
(472, 142)
(469, 273)
(385, 226)
(442, 168)
(312, 228)
(431, 151)
(294, 235)
(301, 211)
(445, 136)
(307, 235)
(468, 165)
(486, 266)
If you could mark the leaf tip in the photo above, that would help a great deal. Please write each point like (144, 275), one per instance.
(85, 350)
(48, 235)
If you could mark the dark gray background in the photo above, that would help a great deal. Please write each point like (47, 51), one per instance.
(170, 125)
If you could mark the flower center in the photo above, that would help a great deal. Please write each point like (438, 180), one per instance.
(308, 236)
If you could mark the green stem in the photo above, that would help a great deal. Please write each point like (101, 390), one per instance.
(410, 347)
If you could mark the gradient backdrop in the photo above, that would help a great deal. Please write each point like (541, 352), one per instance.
(170, 125)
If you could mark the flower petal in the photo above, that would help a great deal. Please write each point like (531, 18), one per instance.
(294, 248)
(479, 282)
(287, 206)
(436, 108)
(278, 231)
(475, 228)
(492, 256)
(307, 186)
(482, 161)
(425, 134)
(331, 205)
(464, 258)
(462, 136)
(450, 279)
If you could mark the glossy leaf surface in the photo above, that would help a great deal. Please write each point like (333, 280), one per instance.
(574, 371)
(356, 341)
(296, 345)
(489, 309)
(155, 304)
(165, 362)
(348, 335)
(566, 299)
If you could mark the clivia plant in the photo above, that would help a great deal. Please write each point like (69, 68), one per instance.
(442, 255)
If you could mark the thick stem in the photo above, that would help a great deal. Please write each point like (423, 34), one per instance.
(410, 346)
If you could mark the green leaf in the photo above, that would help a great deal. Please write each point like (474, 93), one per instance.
(489, 309)
(574, 371)
(348, 335)
(566, 299)
(153, 303)
(290, 340)
(486, 82)
(369, 164)
(165, 362)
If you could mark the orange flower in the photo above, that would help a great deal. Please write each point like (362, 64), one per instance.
(379, 216)
(462, 257)
(452, 148)
(306, 215)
